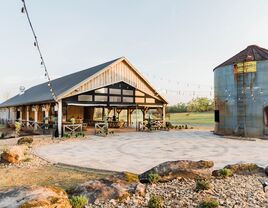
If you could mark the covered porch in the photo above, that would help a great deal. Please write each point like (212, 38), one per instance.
(114, 93)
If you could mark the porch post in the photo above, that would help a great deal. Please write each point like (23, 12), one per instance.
(164, 114)
(27, 116)
(143, 114)
(103, 113)
(21, 108)
(36, 108)
(47, 111)
(60, 118)
(128, 117)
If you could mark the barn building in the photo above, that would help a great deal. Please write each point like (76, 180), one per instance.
(241, 94)
(106, 89)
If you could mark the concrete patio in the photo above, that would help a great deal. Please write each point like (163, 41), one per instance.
(138, 152)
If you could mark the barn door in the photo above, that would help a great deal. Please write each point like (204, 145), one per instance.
(265, 120)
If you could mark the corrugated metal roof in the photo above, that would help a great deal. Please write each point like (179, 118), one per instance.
(251, 53)
(40, 93)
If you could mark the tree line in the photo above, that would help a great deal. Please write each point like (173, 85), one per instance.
(202, 104)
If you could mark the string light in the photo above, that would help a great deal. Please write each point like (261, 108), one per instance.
(36, 44)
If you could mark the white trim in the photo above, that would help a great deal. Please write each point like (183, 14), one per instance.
(60, 118)
(86, 105)
(123, 105)
(152, 106)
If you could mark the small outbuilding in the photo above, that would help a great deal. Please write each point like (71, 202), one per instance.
(86, 97)
(241, 94)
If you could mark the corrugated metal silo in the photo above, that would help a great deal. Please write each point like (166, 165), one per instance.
(241, 94)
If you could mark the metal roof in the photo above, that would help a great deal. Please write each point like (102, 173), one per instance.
(41, 94)
(251, 53)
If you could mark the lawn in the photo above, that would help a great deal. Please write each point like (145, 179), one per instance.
(48, 175)
(193, 119)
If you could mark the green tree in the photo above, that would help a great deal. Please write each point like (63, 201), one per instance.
(179, 108)
(201, 104)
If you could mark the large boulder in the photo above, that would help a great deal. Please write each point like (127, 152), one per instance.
(35, 197)
(104, 190)
(245, 168)
(14, 154)
(177, 169)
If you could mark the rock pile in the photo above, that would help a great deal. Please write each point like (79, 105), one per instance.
(35, 197)
(181, 168)
(103, 190)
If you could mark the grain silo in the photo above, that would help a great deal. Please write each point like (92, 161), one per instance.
(241, 94)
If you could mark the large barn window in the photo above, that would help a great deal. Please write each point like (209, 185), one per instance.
(128, 92)
(115, 91)
(85, 98)
(102, 91)
(100, 98)
(217, 116)
(265, 112)
(115, 99)
(128, 99)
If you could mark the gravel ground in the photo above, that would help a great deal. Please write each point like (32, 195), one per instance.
(237, 191)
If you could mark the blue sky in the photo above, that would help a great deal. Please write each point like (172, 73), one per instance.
(175, 43)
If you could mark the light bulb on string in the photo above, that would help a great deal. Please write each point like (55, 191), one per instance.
(36, 44)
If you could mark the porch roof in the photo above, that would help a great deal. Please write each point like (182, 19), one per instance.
(41, 94)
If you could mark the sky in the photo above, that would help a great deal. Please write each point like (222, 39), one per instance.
(174, 43)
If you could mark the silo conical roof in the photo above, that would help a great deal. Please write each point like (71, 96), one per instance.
(251, 53)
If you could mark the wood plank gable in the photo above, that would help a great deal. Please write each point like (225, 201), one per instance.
(120, 71)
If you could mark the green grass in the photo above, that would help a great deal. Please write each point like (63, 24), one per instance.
(192, 119)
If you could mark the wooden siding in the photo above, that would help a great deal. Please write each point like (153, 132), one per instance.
(4, 113)
(119, 72)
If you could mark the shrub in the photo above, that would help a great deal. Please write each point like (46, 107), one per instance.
(169, 125)
(202, 185)
(245, 168)
(130, 177)
(209, 203)
(25, 140)
(79, 201)
(17, 128)
(225, 173)
(66, 135)
(153, 178)
(82, 134)
(156, 202)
